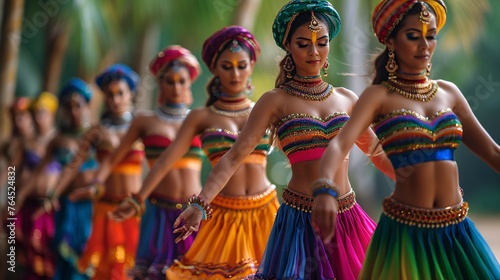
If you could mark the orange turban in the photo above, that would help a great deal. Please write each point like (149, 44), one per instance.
(388, 14)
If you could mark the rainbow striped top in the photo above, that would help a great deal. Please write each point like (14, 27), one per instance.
(409, 138)
(303, 137)
(216, 142)
(155, 144)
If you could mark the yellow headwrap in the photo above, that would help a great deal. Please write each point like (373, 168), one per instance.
(45, 100)
(388, 14)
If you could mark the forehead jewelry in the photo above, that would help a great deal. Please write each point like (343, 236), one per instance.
(314, 27)
(425, 18)
(235, 47)
(176, 66)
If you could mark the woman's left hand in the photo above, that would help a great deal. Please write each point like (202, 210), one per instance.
(191, 219)
(324, 216)
(83, 193)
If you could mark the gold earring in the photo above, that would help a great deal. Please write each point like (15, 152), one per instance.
(391, 65)
(428, 69)
(288, 66)
(325, 67)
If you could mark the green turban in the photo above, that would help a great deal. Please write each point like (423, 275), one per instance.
(287, 14)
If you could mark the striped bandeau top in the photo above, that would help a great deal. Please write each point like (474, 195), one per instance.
(216, 142)
(155, 144)
(409, 138)
(303, 137)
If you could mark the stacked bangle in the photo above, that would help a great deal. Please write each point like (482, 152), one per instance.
(138, 204)
(324, 185)
(98, 188)
(198, 202)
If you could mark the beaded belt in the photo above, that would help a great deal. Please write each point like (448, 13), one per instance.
(427, 218)
(165, 203)
(304, 203)
(297, 200)
(112, 200)
(346, 201)
(248, 202)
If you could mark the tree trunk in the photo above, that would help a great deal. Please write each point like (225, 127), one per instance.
(57, 44)
(9, 50)
(146, 51)
(246, 13)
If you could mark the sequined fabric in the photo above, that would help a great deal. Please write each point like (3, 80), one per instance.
(409, 138)
(216, 142)
(303, 137)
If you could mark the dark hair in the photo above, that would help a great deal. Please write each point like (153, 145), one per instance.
(380, 61)
(211, 84)
(301, 19)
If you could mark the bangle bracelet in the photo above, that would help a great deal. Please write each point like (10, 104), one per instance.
(140, 202)
(198, 202)
(323, 185)
(136, 205)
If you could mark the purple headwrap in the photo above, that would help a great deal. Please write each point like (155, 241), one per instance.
(213, 45)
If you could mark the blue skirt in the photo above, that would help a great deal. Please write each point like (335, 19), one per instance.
(73, 224)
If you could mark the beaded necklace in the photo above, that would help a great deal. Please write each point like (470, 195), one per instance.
(415, 87)
(311, 88)
(233, 108)
(172, 112)
(117, 123)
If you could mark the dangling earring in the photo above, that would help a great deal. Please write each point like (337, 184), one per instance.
(428, 69)
(391, 65)
(216, 87)
(325, 67)
(248, 87)
(288, 66)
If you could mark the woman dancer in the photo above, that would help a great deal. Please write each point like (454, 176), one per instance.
(423, 232)
(175, 68)
(305, 113)
(37, 231)
(73, 219)
(111, 247)
(231, 243)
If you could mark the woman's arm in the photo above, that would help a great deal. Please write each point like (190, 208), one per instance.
(370, 145)
(189, 129)
(258, 122)
(134, 132)
(475, 137)
(71, 170)
(40, 169)
(325, 206)
(175, 151)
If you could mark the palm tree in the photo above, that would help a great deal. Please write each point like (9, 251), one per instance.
(9, 49)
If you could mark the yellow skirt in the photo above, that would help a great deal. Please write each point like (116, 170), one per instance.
(232, 243)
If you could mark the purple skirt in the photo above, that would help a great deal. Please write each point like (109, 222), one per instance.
(157, 249)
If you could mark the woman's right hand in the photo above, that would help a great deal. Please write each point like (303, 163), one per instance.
(124, 211)
(190, 220)
(324, 216)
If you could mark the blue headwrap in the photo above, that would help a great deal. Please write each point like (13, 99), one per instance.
(76, 85)
(118, 72)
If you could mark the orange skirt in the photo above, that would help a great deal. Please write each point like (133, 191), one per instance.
(231, 244)
(110, 250)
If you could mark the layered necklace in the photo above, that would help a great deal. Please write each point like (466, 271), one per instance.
(117, 123)
(311, 88)
(172, 112)
(232, 107)
(415, 87)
